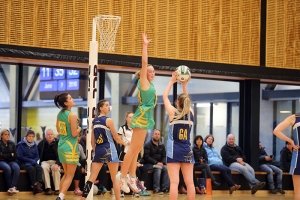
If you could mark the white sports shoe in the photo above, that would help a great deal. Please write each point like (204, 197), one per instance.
(13, 190)
(122, 182)
(131, 181)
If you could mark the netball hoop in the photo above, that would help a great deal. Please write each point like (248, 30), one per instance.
(108, 26)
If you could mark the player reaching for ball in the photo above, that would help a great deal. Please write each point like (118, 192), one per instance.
(142, 121)
(183, 73)
(179, 148)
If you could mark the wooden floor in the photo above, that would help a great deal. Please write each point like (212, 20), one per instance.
(217, 195)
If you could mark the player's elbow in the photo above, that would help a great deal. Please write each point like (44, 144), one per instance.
(74, 133)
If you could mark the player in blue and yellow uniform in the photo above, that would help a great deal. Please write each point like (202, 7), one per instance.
(294, 121)
(68, 129)
(142, 121)
(179, 148)
(103, 144)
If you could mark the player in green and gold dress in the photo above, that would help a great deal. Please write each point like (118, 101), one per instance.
(142, 121)
(68, 129)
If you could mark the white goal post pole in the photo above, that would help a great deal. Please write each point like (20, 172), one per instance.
(91, 101)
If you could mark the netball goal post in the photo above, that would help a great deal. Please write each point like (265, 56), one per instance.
(107, 26)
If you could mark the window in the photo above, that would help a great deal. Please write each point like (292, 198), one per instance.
(216, 106)
(277, 103)
(40, 85)
(8, 101)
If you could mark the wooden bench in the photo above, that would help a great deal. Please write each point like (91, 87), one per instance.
(23, 182)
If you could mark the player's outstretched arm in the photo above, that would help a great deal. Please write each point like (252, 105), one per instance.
(184, 88)
(169, 108)
(143, 76)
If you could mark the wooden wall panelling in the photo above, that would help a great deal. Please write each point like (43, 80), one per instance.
(162, 31)
(15, 22)
(93, 9)
(149, 23)
(42, 31)
(235, 28)
(183, 29)
(28, 19)
(173, 30)
(283, 30)
(54, 25)
(80, 28)
(4, 26)
(214, 31)
(116, 9)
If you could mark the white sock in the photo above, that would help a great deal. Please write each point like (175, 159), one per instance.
(62, 196)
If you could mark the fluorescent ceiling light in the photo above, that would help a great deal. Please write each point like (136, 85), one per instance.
(203, 105)
(285, 111)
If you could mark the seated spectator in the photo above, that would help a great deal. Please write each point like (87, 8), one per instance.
(216, 164)
(155, 159)
(28, 155)
(286, 157)
(8, 161)
(201, 160)
(266, 166)
(50, 162)
(234, 157)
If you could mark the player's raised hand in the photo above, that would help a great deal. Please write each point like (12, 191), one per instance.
(146, 41)
(186, 81)
(174, 77)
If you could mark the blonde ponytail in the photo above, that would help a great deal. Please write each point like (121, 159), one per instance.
(184, 103)
(138, 74)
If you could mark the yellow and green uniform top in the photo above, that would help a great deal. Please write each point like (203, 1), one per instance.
(67, 145)
(143, 116)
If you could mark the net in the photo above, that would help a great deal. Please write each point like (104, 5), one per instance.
(108, 26)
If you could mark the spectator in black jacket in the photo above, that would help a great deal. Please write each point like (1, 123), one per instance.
(201, 160)
(234, 157)
(286, 157)
(155, 159)
(49, 161)
(265, 165)
(8, 162)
